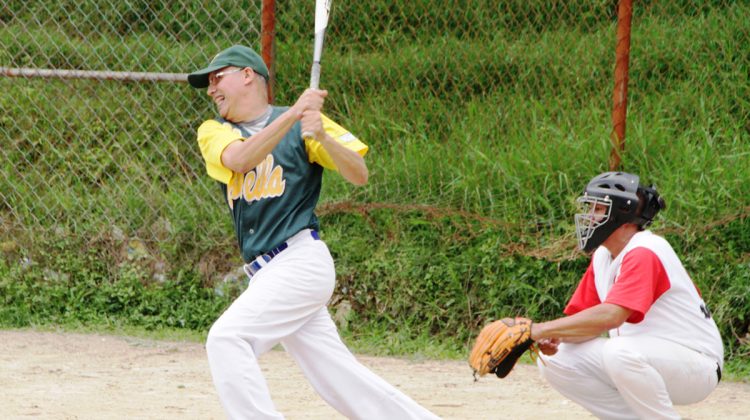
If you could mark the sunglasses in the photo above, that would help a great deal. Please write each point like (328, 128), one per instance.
(216, 77)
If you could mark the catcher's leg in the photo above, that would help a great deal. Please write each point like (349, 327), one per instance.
(577, 372)
(346, 384)
(281, 298)
(651, 374)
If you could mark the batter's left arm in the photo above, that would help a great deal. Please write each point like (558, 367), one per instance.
(350, 164)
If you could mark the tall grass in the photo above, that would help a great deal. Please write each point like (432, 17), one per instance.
(482, 134)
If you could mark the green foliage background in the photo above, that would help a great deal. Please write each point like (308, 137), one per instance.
(482, 133)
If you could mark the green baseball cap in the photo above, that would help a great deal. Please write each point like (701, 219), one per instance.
(237, 56)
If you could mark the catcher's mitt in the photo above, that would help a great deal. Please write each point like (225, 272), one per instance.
(499, 346)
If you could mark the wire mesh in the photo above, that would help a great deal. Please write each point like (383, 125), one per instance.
(85, 156)
(99, 127)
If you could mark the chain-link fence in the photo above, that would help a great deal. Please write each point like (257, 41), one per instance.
(91, 152)
(98, 130)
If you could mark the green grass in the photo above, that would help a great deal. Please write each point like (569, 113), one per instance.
(481, 137)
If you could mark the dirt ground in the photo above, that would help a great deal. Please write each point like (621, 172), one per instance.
(80, 376)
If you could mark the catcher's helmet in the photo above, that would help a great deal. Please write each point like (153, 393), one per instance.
(620, 199)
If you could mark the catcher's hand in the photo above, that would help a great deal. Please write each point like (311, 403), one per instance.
(499, 346)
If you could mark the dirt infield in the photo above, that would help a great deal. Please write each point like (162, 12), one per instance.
(80, 376)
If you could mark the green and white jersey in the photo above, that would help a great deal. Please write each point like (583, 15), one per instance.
(277, 198)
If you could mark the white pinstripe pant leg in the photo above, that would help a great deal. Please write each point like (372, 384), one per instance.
(577, 372)
(281, 298)
(286, 302)
(346, 384)
(631, 377)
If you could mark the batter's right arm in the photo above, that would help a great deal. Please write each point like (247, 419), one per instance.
(243, 156)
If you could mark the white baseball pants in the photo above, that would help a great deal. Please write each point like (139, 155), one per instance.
(630, 377)
(285, 303)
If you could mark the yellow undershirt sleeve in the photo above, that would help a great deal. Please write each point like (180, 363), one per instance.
(213, 138)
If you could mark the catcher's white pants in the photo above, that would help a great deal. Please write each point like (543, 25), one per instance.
(286, 302)
(630, 377)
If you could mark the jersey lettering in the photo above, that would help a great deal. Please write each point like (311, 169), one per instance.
(265, 181)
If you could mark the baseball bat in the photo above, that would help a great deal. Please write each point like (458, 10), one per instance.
(322, 10)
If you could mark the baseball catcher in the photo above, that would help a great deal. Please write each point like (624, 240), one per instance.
(499, 346)
(637, 339)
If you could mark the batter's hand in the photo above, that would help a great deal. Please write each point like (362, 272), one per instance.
(312, 124)
(548, 346)
(310, 100)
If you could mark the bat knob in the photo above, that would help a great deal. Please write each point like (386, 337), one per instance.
(308, 135)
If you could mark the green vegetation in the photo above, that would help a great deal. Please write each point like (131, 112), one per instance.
(484, 126)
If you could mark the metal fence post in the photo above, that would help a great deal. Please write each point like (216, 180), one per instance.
(620, 94)
(267, 41)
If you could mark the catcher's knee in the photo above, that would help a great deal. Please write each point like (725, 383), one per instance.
(556, 374)
(622, 362)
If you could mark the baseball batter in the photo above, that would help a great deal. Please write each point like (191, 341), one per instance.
(270, 178)
(663, 348)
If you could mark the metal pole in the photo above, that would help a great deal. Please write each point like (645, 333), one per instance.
(90, 74)
(268, 44)
(620, 95)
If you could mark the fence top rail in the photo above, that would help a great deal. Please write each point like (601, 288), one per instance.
(91, 74)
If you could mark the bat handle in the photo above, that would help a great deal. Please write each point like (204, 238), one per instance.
(315, 75)
(314, 84)
(308, 135)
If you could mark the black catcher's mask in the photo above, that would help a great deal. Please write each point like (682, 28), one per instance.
(611, 200)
